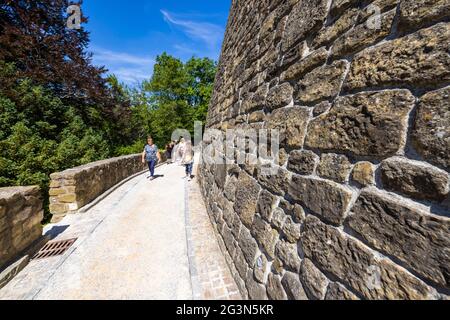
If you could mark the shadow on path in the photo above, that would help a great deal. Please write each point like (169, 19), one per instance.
(55, 231)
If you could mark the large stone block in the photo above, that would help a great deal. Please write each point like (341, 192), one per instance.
(257, 116)
(414, 179)
(240, 264)
(277, 182)
(269, 58)
(291, 123)
(418, 13)
(275, 289)
(321, 108)
(339, 6)
(325, 198)
(278, 218)
(303, 162)
(265, 235)
(256, 291)
(294, 54)
(246, 198)
(418, 60)
(67, 198)
(363, 35)
(288, 255)
(268, 26)
(265, 205)
(304, 65)
(357, 266)
(24, 214)
(220, 175)
(229, 241)
(292, 230)
(323, 83)
(306, 16)
(332, 32)
(420, 240)
(375, 7)
(21, 215)
(248, 246)
(431, 134)
(227, 210)
(336, 291)
(365, 124)
(314, 281)
(230, 188)
(294, 210)
(293, 286)
(363, 173)
(279, 96)
(281, 26)
(236, 225)
(54, 192)
(257, 100)
(334, 166)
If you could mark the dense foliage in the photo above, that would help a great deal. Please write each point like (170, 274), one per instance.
(34, 36)
(58, 111)
(177, 95)
(39, 134)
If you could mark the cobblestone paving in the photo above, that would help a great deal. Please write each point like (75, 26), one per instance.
(211, 277)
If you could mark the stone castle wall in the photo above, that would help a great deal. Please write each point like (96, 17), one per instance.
(21, 214)
(74, 188)
(360, 206)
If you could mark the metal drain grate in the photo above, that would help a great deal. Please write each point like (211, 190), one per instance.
(54, 248)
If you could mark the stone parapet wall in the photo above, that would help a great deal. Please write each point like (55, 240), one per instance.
(360, 207)
(21, 214)
(74, 188)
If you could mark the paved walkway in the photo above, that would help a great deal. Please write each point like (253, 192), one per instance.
(211, 277)
(134, 245)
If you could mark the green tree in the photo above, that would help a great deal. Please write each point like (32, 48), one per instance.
(177, 95)
(40, 135)
(201, 79)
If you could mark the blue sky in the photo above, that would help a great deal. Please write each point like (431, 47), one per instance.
(126, 36)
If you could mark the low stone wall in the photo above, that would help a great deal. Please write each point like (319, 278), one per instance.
(72, 189)
(21, 213)
(359, 91)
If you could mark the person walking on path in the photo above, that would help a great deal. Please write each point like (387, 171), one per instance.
(174, 152)
(187, 158)
(180, 151)
(151, 155)
(169, 149)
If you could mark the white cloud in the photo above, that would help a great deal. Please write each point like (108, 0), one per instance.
(130, 69)
(186, 50)
(209, 33)
(131, 75)
(111, 56)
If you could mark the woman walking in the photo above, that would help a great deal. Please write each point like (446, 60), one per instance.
(175, 152)
(180, 151)
(151, 155)
(188, 159)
